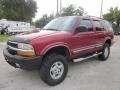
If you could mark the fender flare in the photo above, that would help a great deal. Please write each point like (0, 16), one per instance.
(53, 45)
(108, 38)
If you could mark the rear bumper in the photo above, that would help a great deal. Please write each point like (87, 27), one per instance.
(22, 62)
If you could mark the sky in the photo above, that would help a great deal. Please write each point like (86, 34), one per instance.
(92, 7)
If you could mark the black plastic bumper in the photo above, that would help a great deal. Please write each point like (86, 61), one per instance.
(22, 62)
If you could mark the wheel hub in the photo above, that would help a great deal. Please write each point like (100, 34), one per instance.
(56, 70)
(106, 52)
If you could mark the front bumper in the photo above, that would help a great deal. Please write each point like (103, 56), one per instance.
(22, 62)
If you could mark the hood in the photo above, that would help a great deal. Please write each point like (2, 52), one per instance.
(26, 37)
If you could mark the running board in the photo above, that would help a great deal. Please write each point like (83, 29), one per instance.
(81, 59)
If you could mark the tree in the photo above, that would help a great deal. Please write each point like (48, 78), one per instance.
(68, 11)
(43, 20)
(113, 16)
(79, 11)
(71, 11)
(20, 10)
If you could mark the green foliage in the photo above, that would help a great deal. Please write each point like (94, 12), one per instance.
(3, 38)
(113, 16)
(44, 20)
(80, 11)
(67, 11)
(20, 10)
(71, 11)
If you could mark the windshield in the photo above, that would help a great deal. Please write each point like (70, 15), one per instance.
(61, 23)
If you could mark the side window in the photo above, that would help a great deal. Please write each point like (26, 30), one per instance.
(86, 23)
(98, 24)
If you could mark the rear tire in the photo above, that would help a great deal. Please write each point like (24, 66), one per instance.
(105, 53)
(54, 69)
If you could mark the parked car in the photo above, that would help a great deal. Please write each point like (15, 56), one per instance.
(64, 39)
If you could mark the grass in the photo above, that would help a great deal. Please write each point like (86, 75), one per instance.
(3, 38)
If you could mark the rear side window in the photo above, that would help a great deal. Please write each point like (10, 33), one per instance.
(87, 23)
(108, 26)
(98, 24)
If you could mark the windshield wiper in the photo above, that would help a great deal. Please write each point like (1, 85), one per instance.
(51, 29)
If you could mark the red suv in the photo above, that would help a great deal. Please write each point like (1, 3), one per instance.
(64, 39)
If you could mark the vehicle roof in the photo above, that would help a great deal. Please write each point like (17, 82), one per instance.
(87, 17)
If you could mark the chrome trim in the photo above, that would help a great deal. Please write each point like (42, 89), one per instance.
(98, 45)
(81, 59)
(13, 42)
(83, 49)
(16, 49)
(88, 47)
(56, 44)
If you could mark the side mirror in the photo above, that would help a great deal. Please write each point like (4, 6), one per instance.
(81, 29)
(99, 29)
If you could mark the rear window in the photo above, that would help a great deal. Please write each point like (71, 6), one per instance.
(87, 23)
(98, 24)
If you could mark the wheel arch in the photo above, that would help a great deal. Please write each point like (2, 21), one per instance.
(108, 41)
(59, 49)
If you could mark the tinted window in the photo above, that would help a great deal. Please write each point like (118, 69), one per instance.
(98, 24)
(87, 23)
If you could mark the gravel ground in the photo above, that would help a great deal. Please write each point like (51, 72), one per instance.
(90, 74)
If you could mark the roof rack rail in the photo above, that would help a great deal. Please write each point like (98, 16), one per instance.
(94, 17)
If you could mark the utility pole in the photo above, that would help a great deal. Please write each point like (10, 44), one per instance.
(60, 7)
(101, 11)
(57, 7)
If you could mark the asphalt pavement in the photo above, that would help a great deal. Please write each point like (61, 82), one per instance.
(90, 74)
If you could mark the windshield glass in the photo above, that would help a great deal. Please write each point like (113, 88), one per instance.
(61, 23)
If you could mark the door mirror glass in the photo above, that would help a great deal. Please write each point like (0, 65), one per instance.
(81, 29)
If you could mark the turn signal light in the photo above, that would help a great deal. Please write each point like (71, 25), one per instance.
(26, 53)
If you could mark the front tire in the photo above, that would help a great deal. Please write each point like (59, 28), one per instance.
(54, 69)
(105, 53)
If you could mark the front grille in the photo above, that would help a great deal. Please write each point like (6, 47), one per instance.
(13, 52)
(14, 45)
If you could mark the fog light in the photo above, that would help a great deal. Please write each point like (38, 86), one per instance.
(18, 65)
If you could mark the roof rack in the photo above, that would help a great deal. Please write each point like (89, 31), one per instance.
(94, 17)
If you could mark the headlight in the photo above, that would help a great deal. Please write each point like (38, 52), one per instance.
(25, 46)
(25, 50)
